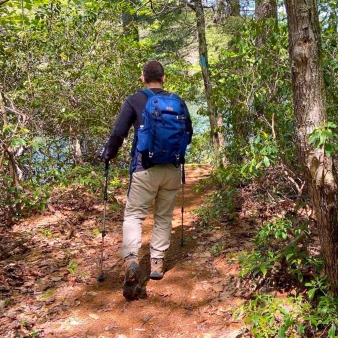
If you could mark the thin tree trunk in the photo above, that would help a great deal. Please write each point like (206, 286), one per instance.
(265, 9)
(216, 120)
(310, 114)
(6, 152)
(78, 152)
(226, 8)
(3, 110)
(130, 26)
(4, 123)
(235, 7)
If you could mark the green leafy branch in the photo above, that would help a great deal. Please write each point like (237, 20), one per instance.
(261, 152)
(325, 137)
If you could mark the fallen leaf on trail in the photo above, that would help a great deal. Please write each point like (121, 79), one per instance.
(205, 254)
(236, 334)
(188, 306)
(111, 327)
(5, 287)
(225, 295)
(94, 316)
(217, 287)
(91, 293)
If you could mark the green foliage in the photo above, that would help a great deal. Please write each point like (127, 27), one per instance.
(34, 333)
(200, 150)
(32, 198)
(261, 153)
(329, 39)
(48, 293)
(83, 175)
(323, 314)
(271, 317)
(72, 266)
(66, 69)
(257, 262)
(294, 316)
(214, 208)
(96, 232)
(92, 177)
(280, 228)
(46, 232)
(276, 247)
(222, 202)
(313, 311)
(216, 249)
(326, 138)
(253, 93)
(61, 78)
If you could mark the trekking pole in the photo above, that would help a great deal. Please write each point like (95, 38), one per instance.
(182, 207)
(101, 277)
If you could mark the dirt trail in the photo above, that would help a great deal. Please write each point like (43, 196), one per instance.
(49, 286)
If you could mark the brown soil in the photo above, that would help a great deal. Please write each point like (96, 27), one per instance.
(49, 270)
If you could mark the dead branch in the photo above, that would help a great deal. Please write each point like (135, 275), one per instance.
(3, 1)
(14, 110)
(6, 252)
(299, 187)
(190, 5)
(13, 169)
(3, 110)
(292, 244)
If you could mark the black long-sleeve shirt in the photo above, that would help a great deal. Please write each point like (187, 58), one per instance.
(131, 115)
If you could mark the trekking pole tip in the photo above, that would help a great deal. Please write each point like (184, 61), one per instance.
(182, 241)
(100, 278)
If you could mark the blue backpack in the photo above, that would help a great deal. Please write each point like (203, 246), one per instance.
(164, 136)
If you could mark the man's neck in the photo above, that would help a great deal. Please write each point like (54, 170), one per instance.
(154, 85)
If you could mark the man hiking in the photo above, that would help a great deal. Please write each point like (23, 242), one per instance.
(151, 179)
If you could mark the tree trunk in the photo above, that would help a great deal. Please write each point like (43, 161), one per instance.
(310, 114)
(265, 9)
(226, 8)
(235, 7)
(6, 152)
(130, 26)
(78, 152)
(215, 119)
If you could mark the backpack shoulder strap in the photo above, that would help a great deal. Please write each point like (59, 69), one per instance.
(148, 92)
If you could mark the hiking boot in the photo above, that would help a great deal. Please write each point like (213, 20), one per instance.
(157, 268)
(131, 284)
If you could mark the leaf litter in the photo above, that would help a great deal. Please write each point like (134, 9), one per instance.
(50, 264)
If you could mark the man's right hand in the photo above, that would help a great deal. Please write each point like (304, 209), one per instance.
(101, 155)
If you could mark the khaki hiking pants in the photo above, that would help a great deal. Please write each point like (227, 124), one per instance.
(160, 183)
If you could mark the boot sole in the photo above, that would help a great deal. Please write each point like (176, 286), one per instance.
(155, 277)
(133, 275)
(132, 289)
